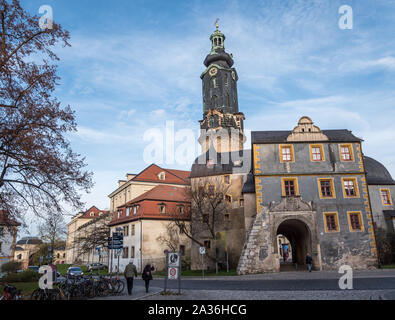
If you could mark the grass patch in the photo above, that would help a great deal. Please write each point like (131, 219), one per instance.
(388, 266)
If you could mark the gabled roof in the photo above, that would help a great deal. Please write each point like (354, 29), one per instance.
(161, 193)
(148, 204)
(151, 173)
(281, 136)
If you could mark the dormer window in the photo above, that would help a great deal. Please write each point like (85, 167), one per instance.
(180, 209)
(135, 209)
(119, 214)
(92, 214)
(162, 176)
(128, 211)
(162, 208)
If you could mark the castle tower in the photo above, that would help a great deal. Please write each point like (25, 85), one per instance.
(222, 124)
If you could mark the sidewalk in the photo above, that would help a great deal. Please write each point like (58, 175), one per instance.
(137, 294)
(296, 275)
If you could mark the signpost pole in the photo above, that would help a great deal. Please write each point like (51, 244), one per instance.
(167, 270)
(179, 273)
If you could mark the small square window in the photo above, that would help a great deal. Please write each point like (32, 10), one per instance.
(346, 152)
(386, 197)
(286, 154)
(355, 221)
(317, 153)
(331, 222)
(350, 188)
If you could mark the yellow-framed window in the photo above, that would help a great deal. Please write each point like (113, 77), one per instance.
(350, 188)
(331, 222)
(287, 153)
(355, 221)
(227, 179)
(346, 152)
(326, 188)
(290, 186)
(385, 195)
(317, 153)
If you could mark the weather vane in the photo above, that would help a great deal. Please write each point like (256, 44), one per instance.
(216, 23)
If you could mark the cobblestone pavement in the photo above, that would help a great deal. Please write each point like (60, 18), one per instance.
(137, 293)
(278, 295)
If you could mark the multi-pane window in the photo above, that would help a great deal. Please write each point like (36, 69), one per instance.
(289, 188)
(355, 221)
(350, 187)
(128, 211)
(385, 196)
(126, 231)
(331, 222)
(227, 179)
(326, 188)
(133, 231)
(346, 152)
(119, 213)
(135, 209)
(125, 253)
(132, 252)
(317, 153)
(286, 154)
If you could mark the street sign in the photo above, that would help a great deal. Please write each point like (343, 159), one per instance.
(202, 250)
(173, 273)
(174, 259)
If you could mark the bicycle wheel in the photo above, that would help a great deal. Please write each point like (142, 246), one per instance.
(119, 286)
(37, 295)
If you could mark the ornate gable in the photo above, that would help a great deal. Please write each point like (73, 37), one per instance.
(306, 131)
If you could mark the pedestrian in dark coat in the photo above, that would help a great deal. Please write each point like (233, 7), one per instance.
(129, 273)
(309, 261)
(147, 275)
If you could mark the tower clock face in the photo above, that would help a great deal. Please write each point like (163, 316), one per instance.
(234, 75)
(213, 72)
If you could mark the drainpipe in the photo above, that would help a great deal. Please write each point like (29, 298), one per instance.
(141, 245)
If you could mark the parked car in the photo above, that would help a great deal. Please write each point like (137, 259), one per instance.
(34, 268)
(74, 272)
(96, 266)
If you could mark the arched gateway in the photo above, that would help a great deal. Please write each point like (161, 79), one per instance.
(294, 219)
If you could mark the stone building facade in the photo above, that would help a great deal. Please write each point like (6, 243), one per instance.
(312, 188)
(8, 234)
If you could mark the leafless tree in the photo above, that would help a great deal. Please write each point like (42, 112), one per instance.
(38, 170)
(92, 235)
(52, 230)
(206, 215)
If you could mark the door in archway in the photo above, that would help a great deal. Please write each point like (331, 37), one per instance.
(299, 236)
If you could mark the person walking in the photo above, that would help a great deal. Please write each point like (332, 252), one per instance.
(309, 261)
(147, 275)
(129, 273)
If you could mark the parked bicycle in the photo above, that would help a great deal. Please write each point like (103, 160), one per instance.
(10, 293)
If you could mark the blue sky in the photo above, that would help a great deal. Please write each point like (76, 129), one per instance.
(135, 64)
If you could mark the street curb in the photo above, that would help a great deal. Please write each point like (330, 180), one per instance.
(148, 295)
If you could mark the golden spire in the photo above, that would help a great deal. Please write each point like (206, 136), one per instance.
(216, 23)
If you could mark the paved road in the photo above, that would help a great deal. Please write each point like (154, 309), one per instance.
(296, 281)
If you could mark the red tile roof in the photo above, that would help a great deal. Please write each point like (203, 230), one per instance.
(94, 210)
(149, 202)
(172, 176)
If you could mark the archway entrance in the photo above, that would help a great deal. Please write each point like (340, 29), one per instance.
(299, 237)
